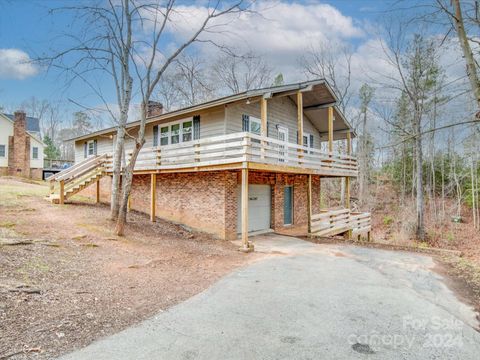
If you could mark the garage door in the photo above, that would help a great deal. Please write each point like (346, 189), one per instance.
(259, 204)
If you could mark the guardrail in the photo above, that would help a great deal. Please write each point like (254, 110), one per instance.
(239, 147)
(334, 222)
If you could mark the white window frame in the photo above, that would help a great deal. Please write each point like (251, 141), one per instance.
(282, 149)
(4, 151)
(168, 134)
(253, 119)
(88, 148)
(33, 152)
(308, 140)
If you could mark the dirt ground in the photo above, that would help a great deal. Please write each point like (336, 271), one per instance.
(76, 282)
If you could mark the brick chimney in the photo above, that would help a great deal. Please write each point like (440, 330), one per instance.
(154, 108)
(19, 147)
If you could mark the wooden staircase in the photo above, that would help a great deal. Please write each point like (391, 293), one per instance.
(68, 182)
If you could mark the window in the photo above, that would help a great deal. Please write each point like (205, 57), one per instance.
(306, 140)
(91, 148)
(255, 125)
(2, 150)
(187, 131)
(175, 133)
(34, 152)
(164, 134)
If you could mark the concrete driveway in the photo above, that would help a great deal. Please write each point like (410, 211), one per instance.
(307, 301)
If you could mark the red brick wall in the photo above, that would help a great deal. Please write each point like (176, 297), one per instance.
(207, 201)
(278, 183)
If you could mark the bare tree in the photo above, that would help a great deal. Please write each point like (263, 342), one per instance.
(191, 80)
(242, 73)
(126, 40)
(456, 16)
(332, 63)
(366, 95)
(417, 74)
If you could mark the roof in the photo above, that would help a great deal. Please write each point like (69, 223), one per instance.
(317, 96)
(33, 123)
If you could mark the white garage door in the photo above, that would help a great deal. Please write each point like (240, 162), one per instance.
(259, 204)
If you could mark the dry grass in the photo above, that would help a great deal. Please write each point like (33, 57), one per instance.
(86, 282)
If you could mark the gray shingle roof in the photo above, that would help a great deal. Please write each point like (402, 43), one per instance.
(33, 124)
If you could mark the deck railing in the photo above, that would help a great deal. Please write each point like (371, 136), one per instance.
(240, 147)
(335, 222)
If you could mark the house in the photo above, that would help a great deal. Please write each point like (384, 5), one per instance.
(21, 150)
(244, 163)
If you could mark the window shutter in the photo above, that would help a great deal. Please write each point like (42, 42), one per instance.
(85, 149)
(245, 122)
(155, 135)
(297, 139)
(311, 140)
(268, 129)
(196, 127)
(95, 147)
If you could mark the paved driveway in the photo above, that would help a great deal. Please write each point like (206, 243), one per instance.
(307, 301)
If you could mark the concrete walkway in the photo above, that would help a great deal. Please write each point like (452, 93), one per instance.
(307, 301)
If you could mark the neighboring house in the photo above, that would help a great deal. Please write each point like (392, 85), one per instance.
(21, 150)
(243, 163)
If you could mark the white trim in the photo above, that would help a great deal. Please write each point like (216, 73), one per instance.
(93, 147)
(168, 134)
(283, 152)
(35, 158)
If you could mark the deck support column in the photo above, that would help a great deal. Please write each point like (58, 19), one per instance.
(309, 204)
(300, 122)
(330, 129)
(247, 246)
(97, 200)
(153, 191)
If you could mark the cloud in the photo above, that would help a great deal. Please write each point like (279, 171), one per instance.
(16, 64)
(278, 31)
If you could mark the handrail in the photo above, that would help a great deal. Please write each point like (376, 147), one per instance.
(332, 222)
(239, 147)
(79, 169)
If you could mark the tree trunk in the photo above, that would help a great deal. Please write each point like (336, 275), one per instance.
(419, 191)
(117, 172)
(467, 52)
(126, 189)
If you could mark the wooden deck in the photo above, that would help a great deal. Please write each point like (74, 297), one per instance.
(242, 150)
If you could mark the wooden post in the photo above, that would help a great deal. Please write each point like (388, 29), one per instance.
(309, 204)
(98, 191)
(246, 245)
(330, 129)
(300, 122)
(62, 192)
(153, 189)
(263, 127)
(347, 181)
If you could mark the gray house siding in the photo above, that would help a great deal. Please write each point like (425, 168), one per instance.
(280, 112)
(222, 120)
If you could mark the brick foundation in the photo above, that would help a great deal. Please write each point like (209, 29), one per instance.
(207, 201)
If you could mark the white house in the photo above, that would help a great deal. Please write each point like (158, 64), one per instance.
(21, 149)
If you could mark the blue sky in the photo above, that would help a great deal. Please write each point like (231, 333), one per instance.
(27, 29)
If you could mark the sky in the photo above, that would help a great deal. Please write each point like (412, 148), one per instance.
(285, 29)
(281, 32)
